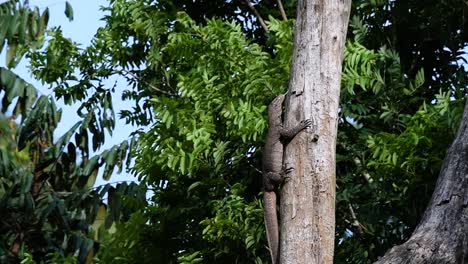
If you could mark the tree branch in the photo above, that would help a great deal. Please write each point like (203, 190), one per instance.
(366, 175)
(356, 222)
(145, 82)
(441, 235)
(257, 14)
(114, 182)
(283, 14)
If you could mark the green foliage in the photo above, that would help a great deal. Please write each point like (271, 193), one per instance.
(53, 64)
(235, 221)
(206, 85)
(405, 25)
(46, 200)
(190, 259)
(420, 131)
(392, 139)
(40, 194)
(221, 95)
(209, 126)
(125, 244)
(281, 36)
(201, 83)
(22, 28)
(52, 258)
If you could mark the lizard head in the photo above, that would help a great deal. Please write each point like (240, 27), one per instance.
(275, 109)
(277, 103)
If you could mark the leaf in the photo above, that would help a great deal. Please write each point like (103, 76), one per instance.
(22, 28)
(86, 250)
(11, 53)
(43, 21)
(92, 178)
(26, 183)
(193, 186)
(66, 138)
(13, 25)
(90, 166)
(111, 198)
(394, 158)
(33, 23)
(68, 11)
(249, 242)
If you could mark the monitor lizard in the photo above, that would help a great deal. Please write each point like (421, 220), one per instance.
(273, 169)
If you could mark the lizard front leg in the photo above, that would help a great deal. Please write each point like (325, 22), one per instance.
(288, 134)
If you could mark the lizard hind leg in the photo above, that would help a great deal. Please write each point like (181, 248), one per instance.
(285, 171)
(273, 179)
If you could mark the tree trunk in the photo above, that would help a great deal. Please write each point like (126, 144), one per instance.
(442, 234)
(308, 196)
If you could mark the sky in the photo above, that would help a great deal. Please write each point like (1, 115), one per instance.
(87, 15)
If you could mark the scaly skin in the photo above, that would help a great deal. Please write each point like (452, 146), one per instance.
(273, 168)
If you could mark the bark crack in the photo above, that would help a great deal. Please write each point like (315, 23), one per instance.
(446, 201)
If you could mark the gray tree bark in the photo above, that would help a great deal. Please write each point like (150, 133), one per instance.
(442, 234)
(308, 196)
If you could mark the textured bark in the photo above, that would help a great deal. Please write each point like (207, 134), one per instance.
(308, 196)
(442, 234)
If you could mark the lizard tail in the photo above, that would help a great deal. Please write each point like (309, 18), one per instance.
(271, 224)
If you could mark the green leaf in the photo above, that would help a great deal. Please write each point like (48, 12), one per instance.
(43, 22)
(11, 53)
(68, 11)
(193, 186)
(249, 242)
(90, 165)
(26, 183)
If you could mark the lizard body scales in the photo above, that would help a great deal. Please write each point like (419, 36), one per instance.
(273, 168)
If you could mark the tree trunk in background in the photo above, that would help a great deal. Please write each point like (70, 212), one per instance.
(308, 197)
(442, 234)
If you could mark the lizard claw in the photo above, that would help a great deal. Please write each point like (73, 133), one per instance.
(286, 169)
(284, 172)
(306, 123)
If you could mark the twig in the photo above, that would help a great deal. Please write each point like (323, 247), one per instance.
(253, 167)
(283, 14)
(254, 10)
(355, 220)
(364, 174)
(114, 182)
(147, 83)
